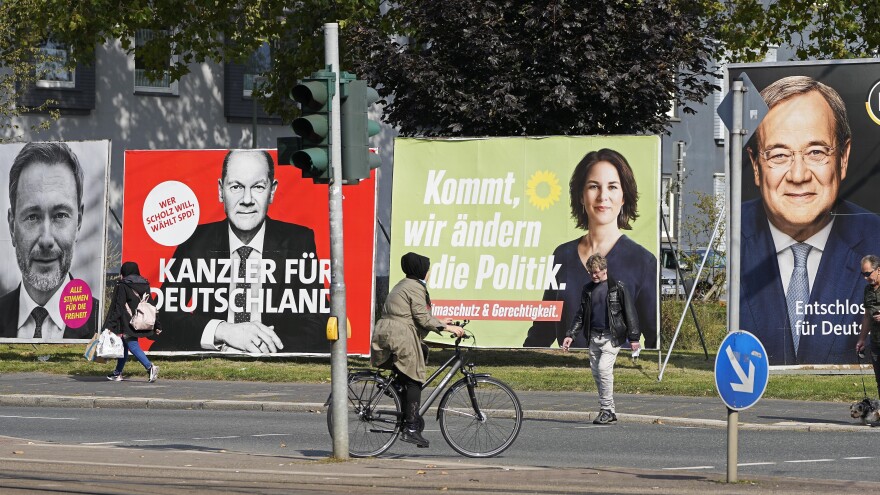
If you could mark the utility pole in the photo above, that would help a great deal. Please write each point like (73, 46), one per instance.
(339, 351)
(679, 164)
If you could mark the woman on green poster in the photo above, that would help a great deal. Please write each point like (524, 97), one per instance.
(604, 200)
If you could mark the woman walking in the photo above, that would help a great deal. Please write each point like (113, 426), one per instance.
(124, 303)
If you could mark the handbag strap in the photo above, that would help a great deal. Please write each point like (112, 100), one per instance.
(140, 296)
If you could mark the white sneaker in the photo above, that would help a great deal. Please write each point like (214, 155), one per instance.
(154, 373)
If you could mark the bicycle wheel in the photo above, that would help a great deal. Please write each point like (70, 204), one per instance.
(374, 413)
(474, 437)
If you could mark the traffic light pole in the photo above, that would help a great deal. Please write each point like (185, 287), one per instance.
(339, 351)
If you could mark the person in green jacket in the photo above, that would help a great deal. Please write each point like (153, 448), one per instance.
(397, 338)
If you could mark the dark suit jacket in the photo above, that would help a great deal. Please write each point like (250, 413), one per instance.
(299, 332)
(763, 310)
(9, 318)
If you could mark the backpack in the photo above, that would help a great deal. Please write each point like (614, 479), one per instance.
(144, 317)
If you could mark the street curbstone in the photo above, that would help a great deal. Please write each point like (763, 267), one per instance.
(121, 402)
(20, 400)
(175, 404)
(63, 401)
(232, 405)
(315, 407)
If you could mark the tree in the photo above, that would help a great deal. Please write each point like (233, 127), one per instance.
(21, 61)
(195, 31)
(830, 29)
(516, 67)
(696, 230)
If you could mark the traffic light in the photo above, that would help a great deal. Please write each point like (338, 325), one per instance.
(314, 94)
(356, 98)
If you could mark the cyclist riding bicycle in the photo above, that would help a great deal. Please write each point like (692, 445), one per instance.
(397, 338)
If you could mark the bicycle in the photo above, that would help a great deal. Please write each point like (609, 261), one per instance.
(479, 416)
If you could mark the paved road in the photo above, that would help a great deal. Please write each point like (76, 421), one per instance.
(96, 391)
(542, 443)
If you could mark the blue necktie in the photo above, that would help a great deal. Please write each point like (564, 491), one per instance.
(798, 288)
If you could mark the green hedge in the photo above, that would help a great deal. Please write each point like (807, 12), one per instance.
(712, 317)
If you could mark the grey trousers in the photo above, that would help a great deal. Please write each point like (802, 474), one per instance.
(602, 357)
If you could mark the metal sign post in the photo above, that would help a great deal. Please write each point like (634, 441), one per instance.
(736, 391)
(741, 374)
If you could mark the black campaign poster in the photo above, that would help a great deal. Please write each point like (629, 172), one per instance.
(809, 208)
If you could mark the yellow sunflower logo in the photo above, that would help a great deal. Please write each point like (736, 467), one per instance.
(543, 189)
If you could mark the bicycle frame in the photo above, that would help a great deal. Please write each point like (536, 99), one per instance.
(453, 364)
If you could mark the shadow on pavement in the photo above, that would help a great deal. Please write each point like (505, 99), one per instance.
(807, 420)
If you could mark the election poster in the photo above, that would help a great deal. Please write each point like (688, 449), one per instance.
(237, 251)
(809, 209)
(506, 223)
(52, 243)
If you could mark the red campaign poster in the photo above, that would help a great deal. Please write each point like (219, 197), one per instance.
(242, 264)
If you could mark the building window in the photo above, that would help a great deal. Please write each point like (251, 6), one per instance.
(52, 70)
(257, 64)
(142, 83)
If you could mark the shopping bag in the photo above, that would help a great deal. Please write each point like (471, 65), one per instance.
(91, 353)
(92, 347)
(110, 345)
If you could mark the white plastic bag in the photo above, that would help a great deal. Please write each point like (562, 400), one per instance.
(110, 346)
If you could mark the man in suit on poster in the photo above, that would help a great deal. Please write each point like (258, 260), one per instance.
(263, 306)
(45, 216)
(800, 290)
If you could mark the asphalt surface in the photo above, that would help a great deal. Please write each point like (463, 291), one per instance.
(38, 389)
(33, 466)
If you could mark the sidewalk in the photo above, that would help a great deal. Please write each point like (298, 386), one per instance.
(39, 389)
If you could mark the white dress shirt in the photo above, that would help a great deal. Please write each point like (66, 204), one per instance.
(253, 276)
(785, 258)
(53, 325)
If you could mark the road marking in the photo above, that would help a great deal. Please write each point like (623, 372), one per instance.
(100, 443)
(812, 460)
(688, 468)
(273, 435)
(215, 438)
(39, 417)
(150, 440)
(856, 458)
(585, 427)
(756, 463)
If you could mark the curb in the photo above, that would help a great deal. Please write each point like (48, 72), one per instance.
(88, 402)
(23, 400)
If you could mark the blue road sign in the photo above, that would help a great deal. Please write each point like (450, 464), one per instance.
(741, 370)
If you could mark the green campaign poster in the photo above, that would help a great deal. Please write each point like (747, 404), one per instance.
(495, 217)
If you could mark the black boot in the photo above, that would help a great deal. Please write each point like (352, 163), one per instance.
(411, 432)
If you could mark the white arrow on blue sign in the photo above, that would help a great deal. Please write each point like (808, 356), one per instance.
(741, 370)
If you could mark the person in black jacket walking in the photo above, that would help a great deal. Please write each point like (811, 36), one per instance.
(128, 293)
(608, 318)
